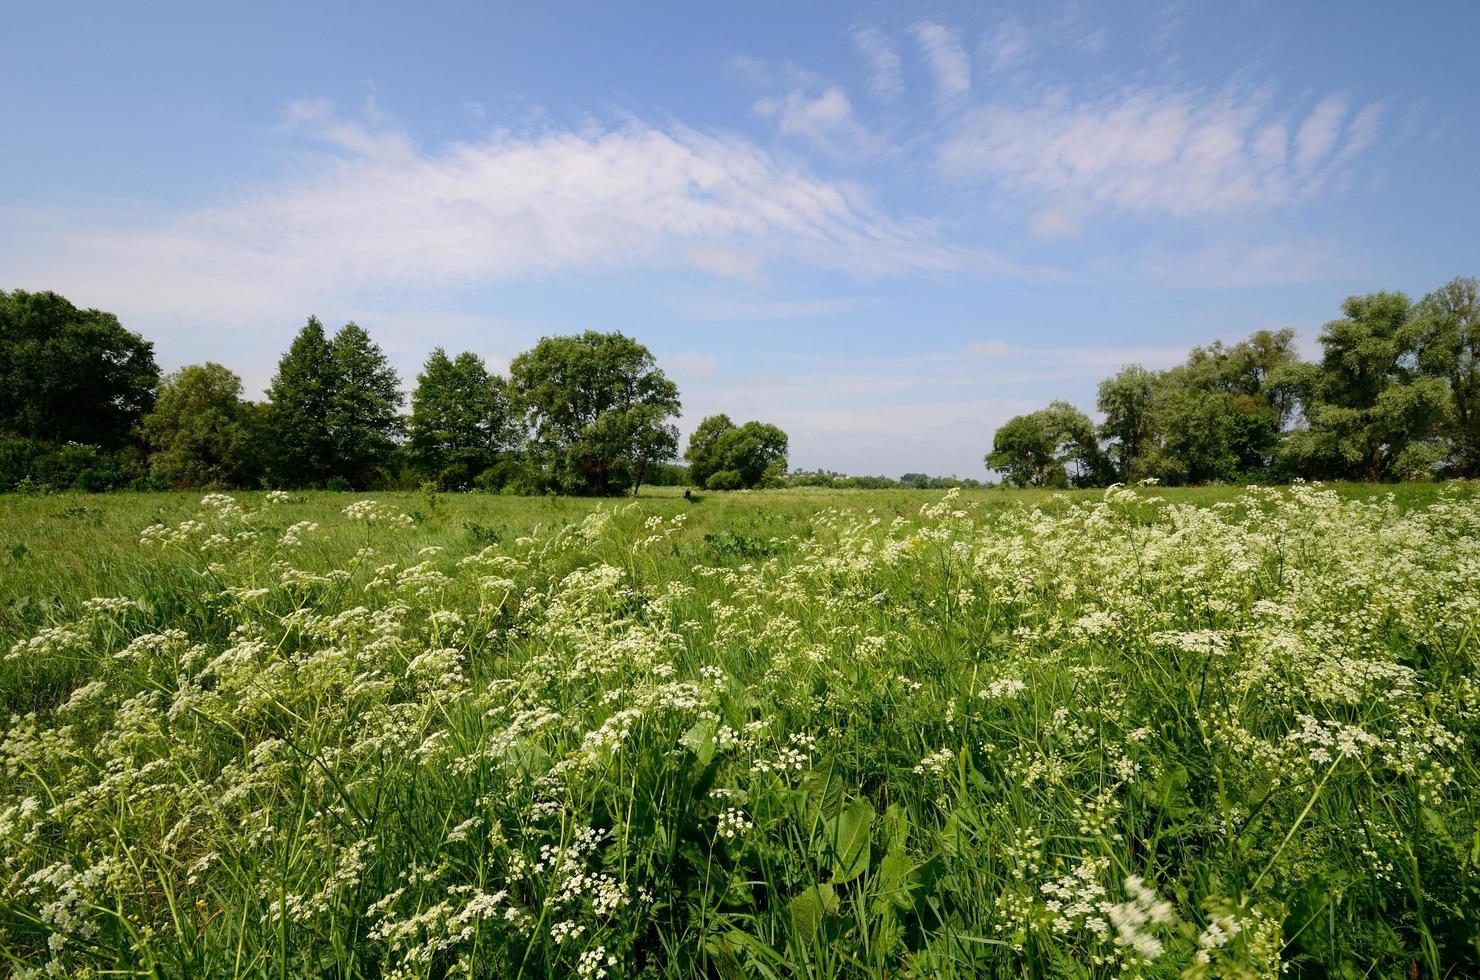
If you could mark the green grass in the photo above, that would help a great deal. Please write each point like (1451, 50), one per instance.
(820, 733)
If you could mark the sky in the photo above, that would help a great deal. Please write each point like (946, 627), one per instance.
(886, 228)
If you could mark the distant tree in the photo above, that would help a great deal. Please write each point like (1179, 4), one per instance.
(702, 453)
(1052, 447)
(200, 431)
(1369, 412)
(1127, 401)
(597, 408)
(333, 409)
(70, 375)
(748, 455)
(1446, 341)
(461, 423)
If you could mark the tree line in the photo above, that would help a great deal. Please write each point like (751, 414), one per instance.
(1395, 395)
(83, 405)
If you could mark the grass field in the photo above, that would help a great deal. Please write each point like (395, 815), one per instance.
(1162, 733)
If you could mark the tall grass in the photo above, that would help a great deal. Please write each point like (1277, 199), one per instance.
(818, 735)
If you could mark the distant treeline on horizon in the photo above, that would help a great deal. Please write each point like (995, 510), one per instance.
(83, 406)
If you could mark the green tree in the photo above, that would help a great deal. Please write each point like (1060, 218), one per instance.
(1446, 338)
(461, 423)
(640, 435)
(333, 413)
(1195, 430)
(701, 453)
(70, 375)
(299, 401)
(1127, 402)
(1255, 387)
(597, 408)
(724, 456)
(364, 416)
(1055, 446)
(200, 431)
(1369, 412)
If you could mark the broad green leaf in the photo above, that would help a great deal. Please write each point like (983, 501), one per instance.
(808, 908)
(848, 838)
(700, 740)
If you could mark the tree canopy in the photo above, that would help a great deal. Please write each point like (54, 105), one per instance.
(71, 375)
(724, 456)
(333, 409)
(597, 408)
(461, 422)
(1052, 447)
(201, 432)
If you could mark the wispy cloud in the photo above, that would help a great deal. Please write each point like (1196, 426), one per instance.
(369, 211)
(825, 119)
(689, 363)
(1318, 134)
(1008, 45)
(713, 307)
(1070, 359)
(949, 63)
(1239, 260)
(1157, 152)
(881, 56)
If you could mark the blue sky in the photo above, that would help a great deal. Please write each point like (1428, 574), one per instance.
(887, 228)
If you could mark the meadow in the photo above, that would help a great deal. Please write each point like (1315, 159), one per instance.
(1220, 732)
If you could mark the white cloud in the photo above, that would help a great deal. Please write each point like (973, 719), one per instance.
(689, 364)
(826, 119)
(731, 263)
(1240, 261)
(1008, 46)
(949, 63)
(1319, 133)
(733, 308)
(881, 55)
(370, 213)
(1067, 361)
(1059, 220)
(992, 348)
(1154, 151)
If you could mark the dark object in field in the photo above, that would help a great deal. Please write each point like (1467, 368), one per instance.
(688, 495)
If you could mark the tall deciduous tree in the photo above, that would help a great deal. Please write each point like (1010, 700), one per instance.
(597, 407)
(71, 375)
(1370, 414)
(1127, 400)
(200, 431)
(1446, 337)
(461, 421)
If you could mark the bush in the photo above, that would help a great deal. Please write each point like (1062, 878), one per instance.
(724, 480)
(72, 466)
(512, 475)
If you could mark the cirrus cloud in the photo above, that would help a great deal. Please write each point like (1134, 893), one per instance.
(367, 210)
(1157, 152)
